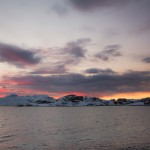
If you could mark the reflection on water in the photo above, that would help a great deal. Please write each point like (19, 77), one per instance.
(74, 128)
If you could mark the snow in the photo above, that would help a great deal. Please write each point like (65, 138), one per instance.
(69, 100)
(136, 104)
(34, 100)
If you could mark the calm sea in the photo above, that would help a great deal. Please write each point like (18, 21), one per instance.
(75, 128)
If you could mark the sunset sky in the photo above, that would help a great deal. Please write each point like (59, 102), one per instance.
(85, 47)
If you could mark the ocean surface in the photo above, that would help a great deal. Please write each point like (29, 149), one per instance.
(75, 128)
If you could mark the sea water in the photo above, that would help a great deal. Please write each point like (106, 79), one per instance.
(75, 128)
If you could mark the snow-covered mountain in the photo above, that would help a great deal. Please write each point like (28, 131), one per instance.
(34, 100)
(69, 100)
(73, 100)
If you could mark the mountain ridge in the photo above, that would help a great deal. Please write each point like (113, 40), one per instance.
(69, 100)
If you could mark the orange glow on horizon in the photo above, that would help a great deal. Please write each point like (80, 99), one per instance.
(136, 95)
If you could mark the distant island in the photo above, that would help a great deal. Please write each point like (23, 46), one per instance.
(69, 100)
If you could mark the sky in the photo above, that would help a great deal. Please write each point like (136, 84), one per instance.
(86, 47)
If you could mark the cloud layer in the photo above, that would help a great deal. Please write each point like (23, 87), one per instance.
(60, 69)
(101, 84)
(71, 53)
(92, 4)
(76, 48)
(17, 56)
(109, 52)
(99, 71)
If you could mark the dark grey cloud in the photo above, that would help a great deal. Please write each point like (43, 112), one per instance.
(146, 60)
(109, 52)
(62, 58)
(99, 71)
(17, 56)
(133, 81)
(86, 5)
(73, 52)
(76, 48)
(61, 69)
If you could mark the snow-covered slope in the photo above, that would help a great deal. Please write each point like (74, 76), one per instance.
(35, 100)
(73, 100)
(69, 100)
